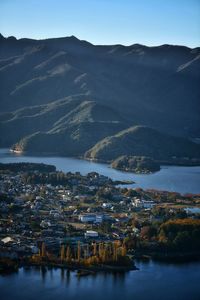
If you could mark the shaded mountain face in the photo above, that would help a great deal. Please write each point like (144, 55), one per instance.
(65, 95)
(145, 141)
(69, 126)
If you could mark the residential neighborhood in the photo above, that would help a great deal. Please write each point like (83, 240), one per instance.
(55, 209)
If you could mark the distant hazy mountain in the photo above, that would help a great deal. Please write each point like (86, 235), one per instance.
(65, 95)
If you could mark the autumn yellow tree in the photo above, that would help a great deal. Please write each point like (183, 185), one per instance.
(94, 249)
(116, 245)
(62, 253)
(101, 251)
(79, 252)
(43, 250)
(68, 254)
(123, 249)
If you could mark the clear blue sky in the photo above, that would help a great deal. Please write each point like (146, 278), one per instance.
(150, 22)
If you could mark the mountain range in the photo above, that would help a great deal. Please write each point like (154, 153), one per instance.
(70, 97)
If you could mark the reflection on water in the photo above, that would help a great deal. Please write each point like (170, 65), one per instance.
(64, 276)
(68, 278)
(171, 178)
(43, 272)
(152, 281)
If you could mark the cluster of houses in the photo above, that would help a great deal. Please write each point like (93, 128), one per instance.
(142, 203)
(31, 213)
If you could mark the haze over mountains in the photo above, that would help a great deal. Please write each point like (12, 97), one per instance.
(65, 96)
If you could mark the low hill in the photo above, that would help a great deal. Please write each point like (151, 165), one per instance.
(71, 118)
(79, 126)
(136, 164)
(144, 141)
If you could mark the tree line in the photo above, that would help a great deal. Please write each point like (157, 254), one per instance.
(94, 253)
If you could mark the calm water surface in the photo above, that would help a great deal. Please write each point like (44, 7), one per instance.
(154, 281)
(171, 178)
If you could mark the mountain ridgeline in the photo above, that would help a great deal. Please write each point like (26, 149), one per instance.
(69, 97)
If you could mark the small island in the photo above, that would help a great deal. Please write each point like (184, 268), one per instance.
(136, 164)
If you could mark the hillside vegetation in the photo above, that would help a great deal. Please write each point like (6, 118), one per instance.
(70, 97)
(145, 141)
(136, 164)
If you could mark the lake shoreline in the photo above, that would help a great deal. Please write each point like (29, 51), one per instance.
(179, 179)
(162, 163)
(14, 265)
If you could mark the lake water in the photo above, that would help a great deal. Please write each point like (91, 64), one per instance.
(171, 178)
(153, 281)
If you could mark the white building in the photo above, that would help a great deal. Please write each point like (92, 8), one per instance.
(137, 203)
(54, 213)
(99, 218)
(93, 218)
(106, 205)
(7, 240)
(45, 224)
(87, 218)
(147, 204)
(91, 234)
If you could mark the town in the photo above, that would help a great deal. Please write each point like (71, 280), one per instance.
(71, 220)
